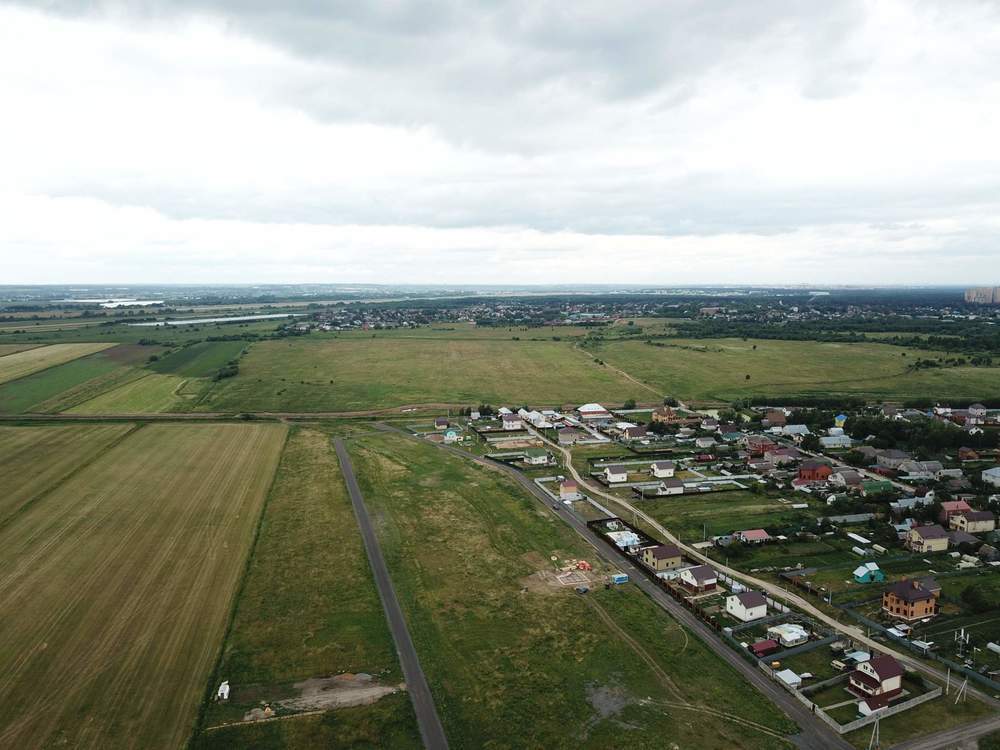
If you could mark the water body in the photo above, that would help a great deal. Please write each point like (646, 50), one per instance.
(196, 321)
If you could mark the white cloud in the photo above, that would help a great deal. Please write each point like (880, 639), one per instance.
(694, 142)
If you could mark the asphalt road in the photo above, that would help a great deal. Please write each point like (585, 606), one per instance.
(416, 683)
(814, 735)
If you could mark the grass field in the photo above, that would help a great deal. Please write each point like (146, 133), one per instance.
(19, 364)
(34, 459)
(199, 360)
(6, 349)
(308, 607)
(118, 584)
(717, 369)
(358, 374)
(151, 393)
(464, 546)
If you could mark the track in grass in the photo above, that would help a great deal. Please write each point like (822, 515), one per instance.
(149, 394)
(19, 364)
(115, 588)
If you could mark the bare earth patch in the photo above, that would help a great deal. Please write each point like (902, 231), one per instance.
(326, 693)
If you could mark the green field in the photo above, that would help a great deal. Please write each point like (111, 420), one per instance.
(201, 360)
(117, 586)
(20, 364)
(309, 609)
(149, 394)
(717, 369)
(314, 374)
(35, 459)
(464, 546)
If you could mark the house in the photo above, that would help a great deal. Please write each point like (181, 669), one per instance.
(957, 538)
(876, 487)
(911, 599)
(536, 457)
(764, 648)
(920, 469)
(891, 458)
(709, 425)
(451, 436)
(474, 415)
(967, 454)
(699, 578)
(774, 418)
(666, 415)
(951, 508)
(758, 445)
(441, 423)
(925, 539)
(753, 536)
(815, 471)
(662, 469)
(992, 476)
(747, 606)
(789, 677)
(615, 473)
(795, 431)
(788, 634)
(670, 487)
(569, 490)
(636, 432)
(662, 557)
(877, 681)
(836, 441)
(868, 573)
(593, 414)
(977, 410)
(512, 422)
(782, 456)
(705, 442)
(847, 478)
(569, 436)
(973, 522)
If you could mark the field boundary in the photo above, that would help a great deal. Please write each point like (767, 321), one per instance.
(237, 595)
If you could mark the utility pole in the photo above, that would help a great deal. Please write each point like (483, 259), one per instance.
(875, 742)
(960, 695)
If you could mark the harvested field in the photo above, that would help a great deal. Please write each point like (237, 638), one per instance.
(34, 459)
(151, 393)
(19, 364)
(118, 584)
(6, 349)
(199, 360)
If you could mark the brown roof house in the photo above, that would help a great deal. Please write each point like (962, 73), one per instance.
(911, 598)
(951, 508)
(747, 606)
(699, 578)
(973, 521)
(927, 539)
(876, 681)
(662, 557)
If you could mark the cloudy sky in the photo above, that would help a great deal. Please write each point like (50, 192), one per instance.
(529, 142)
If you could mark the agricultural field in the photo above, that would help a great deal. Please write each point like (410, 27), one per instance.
(148, 394)
(309, 610)
(35, 459)
(314, 374)
(717, 369)
(117, 586)
(470, 554)
(19, 364)
(6, 349)
(200, 360)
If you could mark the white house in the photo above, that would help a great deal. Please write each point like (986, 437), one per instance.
(747, 606)
(788, 634)
(877, 681)
(512, 422)
(705, 442)
(594, 413)
(699, 578)
(569, 490)
(662, 469)
(836, 441)
(222, 694)
(615, 473)
(670, 487)
(992, 476)
(536, 457)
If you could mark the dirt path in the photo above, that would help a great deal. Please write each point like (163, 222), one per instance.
(620, 372)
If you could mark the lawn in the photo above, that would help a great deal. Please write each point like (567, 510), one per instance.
(35, 459)
(308, 607)
(718, 369)
(464, 546)
(151, 393)
(315, 374)
(118, 585)
(201, 360)
(19, 364)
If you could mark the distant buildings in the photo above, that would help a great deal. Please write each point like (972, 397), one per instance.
(983, 295)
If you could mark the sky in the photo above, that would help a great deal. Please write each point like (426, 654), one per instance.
(659, 143)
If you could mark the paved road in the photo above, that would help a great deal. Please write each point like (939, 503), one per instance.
(814, 736)
(416, 683)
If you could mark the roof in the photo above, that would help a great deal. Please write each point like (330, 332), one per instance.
(615, 469)
(813, 464)
(535, 452)
(664, 464)
(885, 667)
(955, 505)
(961, 537)
(751, 599)
(510, 418)
(979, 515)
(930, 532)
(567, 483)
(914, 590)
(596, 408)
(761, 646)
(702, 573)
(754, 534)
(671, 482)
(664, 552)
